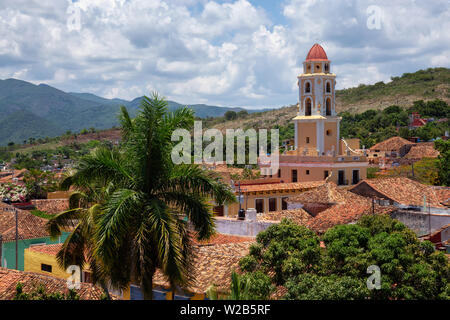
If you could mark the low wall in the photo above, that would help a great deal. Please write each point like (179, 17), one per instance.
(241, 227)
(420, 222)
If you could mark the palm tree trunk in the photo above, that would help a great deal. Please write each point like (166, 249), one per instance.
(105, 290)
(147, 287)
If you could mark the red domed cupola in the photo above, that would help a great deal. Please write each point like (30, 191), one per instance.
(316, 53)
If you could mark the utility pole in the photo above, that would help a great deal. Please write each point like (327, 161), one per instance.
(14, 209)
(1, 253)
(17, 238)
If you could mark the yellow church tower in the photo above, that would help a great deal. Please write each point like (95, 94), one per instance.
(319, 152)
(316, 123)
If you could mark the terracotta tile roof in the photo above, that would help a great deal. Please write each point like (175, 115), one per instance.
(30, 281)
(345, 213)
(420, 151)
(391, 144)
(403, 191)
(8, 176)
(281, 186)
(30, 226)
(212, 265)
(220, 238)
(316, 53)
(443, 194)
(347, 207)
(51, 206)
(326, 193)
(50, 249)
(298, 216)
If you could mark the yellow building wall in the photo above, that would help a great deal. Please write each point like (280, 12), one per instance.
(331, 139)
(250, 201)
(307, 129)
(318, 173)
(33, 261)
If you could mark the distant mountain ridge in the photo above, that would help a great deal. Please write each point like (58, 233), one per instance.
(32, 111)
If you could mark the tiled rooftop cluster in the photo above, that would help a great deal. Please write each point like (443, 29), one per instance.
(391, 144)
(31, 281)
(30, 226)
(420, 151)
(51, 206)
(213, 265)
(404, 191)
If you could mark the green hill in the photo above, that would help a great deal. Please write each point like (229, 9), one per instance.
(37, 111)
(429, 84)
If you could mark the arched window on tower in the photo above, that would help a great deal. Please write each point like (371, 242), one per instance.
(328, 87)
(327, 68)
(307, 87)
(308, 107)
(328, 107)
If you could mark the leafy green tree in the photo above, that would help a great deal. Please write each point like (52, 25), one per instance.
(39, 183)
(39, 293)
(443, 146)
(410, 269)
(313, 287)
(139, 224)
(230, 115)
(283, 250)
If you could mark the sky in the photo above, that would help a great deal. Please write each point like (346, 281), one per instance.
(245, 53)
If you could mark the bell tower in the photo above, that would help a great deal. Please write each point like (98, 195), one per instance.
(316, 123)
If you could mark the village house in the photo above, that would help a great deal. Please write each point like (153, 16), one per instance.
(318, 150)
(214, 261)
(31, 231)
(422, 208)
(391, 148)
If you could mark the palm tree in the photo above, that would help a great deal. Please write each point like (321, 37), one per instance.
(150, 207)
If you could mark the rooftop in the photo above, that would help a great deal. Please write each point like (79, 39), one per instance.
(316, 53)
(326, 193)
(213, 265)
(30, 226)
(31, 281)
(298, 216)
(281, 186)
(420, 151)
(391, 144)
(403, 191)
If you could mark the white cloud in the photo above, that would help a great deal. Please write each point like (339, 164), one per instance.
(217, 52)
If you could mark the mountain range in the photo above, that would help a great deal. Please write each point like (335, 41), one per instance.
(28, 110)
(32, 111)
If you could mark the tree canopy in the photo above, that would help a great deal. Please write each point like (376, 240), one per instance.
(290, 255)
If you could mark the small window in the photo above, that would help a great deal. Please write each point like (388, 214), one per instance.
(307, 172)
(325, 174)
(272, 204)
(307, 139)
(308, 87)
(294, 175)
(259, 204)
(279, 173)
(46, 267)
(328, 132)
(284, 203)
